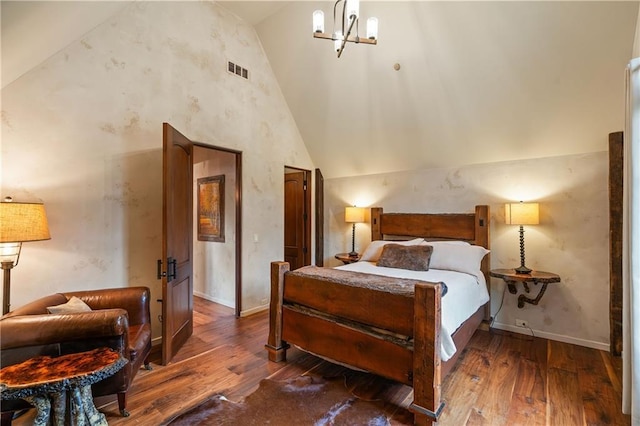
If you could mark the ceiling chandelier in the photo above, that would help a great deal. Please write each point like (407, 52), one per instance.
(350, 14)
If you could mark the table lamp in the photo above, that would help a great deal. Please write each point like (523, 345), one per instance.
(522, 214)
(353, 215)
(19, 222)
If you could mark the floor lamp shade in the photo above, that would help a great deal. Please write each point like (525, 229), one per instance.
(19, 222)
(522, 214)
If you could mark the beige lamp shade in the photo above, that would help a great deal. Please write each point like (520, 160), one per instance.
(20, 222)
(521, 214)
(354, 214)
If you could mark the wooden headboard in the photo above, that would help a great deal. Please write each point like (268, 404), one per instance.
(471, 227)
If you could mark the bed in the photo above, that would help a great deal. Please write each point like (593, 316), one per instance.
(358, 316)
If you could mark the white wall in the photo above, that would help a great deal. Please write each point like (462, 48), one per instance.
(571, 240)
(83, 133)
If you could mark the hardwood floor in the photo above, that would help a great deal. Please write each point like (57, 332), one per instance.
(500, 379)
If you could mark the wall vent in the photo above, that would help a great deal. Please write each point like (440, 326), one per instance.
(237, 70)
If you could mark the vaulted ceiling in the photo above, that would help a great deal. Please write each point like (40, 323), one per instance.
(477, 81)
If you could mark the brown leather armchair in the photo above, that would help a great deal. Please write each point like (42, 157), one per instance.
(120, 319)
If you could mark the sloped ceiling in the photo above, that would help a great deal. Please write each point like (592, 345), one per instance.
(32, 31)
(478, 81)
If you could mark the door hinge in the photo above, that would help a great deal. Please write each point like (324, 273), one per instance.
(304, 185)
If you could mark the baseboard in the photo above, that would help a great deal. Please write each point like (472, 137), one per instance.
(254, 310)
(552, 336)
(215, 300)
(231, 305)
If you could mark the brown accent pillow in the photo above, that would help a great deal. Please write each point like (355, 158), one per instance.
(414, 258)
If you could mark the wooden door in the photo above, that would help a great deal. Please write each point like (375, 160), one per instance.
(296, 219)
(177, 241)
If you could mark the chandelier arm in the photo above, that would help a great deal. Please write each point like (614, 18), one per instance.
(335, 5)
(344, 10)
(344, 40)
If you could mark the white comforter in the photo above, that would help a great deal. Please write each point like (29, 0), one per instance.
(466, 293)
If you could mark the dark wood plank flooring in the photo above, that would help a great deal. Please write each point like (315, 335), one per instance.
(500, 379)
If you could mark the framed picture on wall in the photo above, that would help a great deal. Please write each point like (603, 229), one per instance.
(211, 208)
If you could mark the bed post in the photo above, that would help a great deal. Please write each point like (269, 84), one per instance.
(376, 215)
(276, 347)
(427, 404)
(482, 239)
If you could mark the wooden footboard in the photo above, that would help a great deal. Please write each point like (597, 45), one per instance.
(402, 342)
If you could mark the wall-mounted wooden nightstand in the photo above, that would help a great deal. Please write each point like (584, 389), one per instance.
(346, 259)
(511, 278)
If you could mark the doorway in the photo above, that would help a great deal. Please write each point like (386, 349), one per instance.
(217, 264)
(180, 238)
(297, 217)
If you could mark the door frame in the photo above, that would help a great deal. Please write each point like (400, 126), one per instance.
(238, 229)
(319, 216)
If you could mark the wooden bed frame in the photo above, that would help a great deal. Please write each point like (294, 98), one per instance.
(328, 322)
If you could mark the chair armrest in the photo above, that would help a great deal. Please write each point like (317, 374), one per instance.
(30, 330)
(135, 300)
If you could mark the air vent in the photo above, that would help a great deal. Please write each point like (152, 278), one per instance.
(238, 70)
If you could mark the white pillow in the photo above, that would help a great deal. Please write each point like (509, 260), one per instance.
(457, 257)
(374, 249)
(73, 305)
(459, 242)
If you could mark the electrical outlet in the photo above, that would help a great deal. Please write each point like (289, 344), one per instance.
(522, 323)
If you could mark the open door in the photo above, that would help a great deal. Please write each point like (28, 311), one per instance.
(176, 268)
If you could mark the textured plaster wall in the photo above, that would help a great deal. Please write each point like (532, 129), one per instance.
(83, 133)
(571, 240)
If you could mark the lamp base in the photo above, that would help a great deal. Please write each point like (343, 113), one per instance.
(6, 289)
(353, 254)
(522, 270)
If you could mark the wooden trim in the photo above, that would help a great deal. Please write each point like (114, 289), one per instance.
(319, 215)
(616, 193)
(238, 234)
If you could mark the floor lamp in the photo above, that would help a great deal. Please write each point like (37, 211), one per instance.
(522, 214)
(19, 222)
(353, 215)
